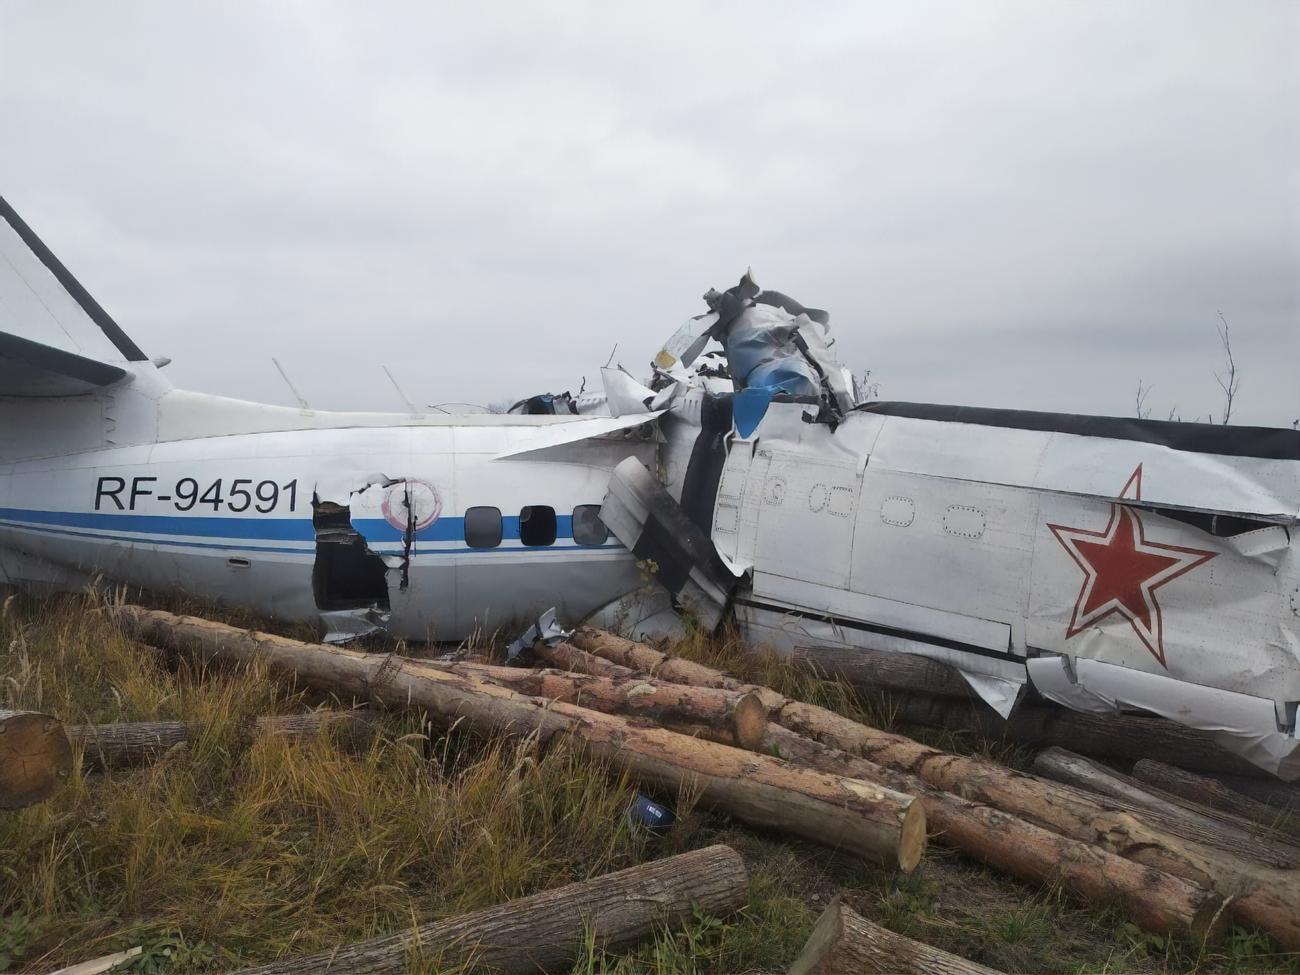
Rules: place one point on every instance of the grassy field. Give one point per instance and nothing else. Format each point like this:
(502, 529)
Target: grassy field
(228, 853)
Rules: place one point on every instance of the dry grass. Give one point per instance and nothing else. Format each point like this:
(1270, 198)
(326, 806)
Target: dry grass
(229, 853)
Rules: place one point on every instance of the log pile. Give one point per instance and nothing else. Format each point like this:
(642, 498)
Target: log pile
(786, 765)
(1255, 895)
(873, 821)
(919, 691)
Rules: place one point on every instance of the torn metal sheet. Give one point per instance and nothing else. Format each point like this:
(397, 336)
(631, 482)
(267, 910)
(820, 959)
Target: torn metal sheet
(579, 429)
(685, 345)
(646, 614)
(653, 526)
(625, 395)
(1247, 726)
(546, 404)
(544, 629)
(344, 625)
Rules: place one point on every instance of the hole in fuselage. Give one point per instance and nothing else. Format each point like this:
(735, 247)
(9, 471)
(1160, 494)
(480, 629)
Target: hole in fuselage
(347, 575)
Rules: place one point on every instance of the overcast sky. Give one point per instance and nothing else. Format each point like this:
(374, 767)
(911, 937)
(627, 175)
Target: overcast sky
(1011, 204)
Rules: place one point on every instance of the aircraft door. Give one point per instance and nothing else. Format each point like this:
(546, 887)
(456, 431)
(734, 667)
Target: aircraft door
(739, 502)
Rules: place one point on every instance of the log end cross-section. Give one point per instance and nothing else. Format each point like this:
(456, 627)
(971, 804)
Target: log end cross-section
(35, 758)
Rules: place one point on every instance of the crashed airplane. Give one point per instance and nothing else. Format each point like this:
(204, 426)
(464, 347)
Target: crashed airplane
(1108, 563)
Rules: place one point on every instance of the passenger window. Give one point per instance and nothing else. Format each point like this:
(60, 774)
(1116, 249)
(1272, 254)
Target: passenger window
(588, 529)
(537, 525)
(482, 527)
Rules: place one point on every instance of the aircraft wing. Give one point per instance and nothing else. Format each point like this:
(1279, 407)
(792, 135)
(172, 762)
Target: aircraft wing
(55, 339)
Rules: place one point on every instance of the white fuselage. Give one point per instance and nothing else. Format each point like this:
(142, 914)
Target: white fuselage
(256, 518)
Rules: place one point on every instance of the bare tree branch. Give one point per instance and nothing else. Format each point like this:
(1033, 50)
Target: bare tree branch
(1140, 408)
(1231, 384)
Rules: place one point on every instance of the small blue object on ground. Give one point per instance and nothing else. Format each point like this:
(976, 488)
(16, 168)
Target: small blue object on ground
(650, 814)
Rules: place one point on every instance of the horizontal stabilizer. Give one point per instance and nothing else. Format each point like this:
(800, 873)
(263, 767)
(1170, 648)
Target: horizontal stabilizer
(28, 368)
(55, 339)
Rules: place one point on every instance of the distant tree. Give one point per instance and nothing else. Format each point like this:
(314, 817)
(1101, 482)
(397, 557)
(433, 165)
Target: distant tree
(1140, 408)
(1229, 380)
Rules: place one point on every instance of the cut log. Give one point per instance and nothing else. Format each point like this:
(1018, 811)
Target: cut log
(1116, 736)
(134, 743)
(843, 941)
(1262, 897)
(663, 702)
(647, 660)
(873, 671)
(1211, 793)
(565, 656)
(35, 758)
(1272, 792)
(546, 932)
(1200, 824)
(878, 824)
(1156, 901)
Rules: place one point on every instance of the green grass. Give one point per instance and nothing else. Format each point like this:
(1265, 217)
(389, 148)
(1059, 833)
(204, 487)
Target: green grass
(228, 853)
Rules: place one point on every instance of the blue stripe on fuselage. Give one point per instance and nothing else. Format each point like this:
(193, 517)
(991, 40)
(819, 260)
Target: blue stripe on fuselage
(232, 530)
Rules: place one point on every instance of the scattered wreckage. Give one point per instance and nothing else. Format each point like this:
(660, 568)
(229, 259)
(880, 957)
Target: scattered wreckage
(1103, 564)
(1172, 866)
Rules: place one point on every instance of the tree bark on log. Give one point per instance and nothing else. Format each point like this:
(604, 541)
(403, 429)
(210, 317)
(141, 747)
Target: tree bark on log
(565, 656)
(843, 941)
(546, 931)
(35, 758)
(873, 671)
(1211, 793)
(647, 660)
(134, 743)
(1272, 792)
(1207, 826)
(879, 824)
(1115, 736)
(1154, 900)
(663, 702)
(1262, 897)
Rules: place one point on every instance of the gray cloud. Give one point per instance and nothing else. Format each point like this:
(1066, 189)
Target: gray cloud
(1016, 203)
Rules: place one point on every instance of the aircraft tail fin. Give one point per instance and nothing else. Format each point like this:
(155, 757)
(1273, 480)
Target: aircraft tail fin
(55, 339)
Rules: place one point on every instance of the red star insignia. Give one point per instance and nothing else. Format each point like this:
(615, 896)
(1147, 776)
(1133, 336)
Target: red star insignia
(1122, 570)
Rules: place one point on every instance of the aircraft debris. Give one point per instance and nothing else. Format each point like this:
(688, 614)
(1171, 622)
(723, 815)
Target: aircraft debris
(1113, 566)
(543, 630)
(105, 963)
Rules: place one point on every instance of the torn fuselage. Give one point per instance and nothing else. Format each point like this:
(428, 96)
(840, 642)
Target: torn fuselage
(1112, 563)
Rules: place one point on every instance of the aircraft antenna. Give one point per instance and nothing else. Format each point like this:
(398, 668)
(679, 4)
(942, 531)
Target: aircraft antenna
(285, 376)
(405, 399)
